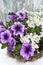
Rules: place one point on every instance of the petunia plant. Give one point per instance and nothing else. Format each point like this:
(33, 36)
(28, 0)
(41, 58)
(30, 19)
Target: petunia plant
(21, 35)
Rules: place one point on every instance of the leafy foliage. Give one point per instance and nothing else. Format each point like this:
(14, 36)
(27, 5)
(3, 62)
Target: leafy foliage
(8, 24)
(33, 30)
(17, 49)
(4, 46)
(41, 44)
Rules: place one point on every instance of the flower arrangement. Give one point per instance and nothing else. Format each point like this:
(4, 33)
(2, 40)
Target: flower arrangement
(23, 34)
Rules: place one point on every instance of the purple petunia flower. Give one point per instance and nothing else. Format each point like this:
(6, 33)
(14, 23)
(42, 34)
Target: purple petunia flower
(22, 15)
(11, 31)
(12, 16)
(17, 38)
(25, 31)
(11, 45)
(26, 51)
(1, 23)
(1, 30)
(18, 28)
(5, 36)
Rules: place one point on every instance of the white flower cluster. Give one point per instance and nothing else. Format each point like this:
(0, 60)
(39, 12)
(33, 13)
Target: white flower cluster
(35, 19)
(30, 38)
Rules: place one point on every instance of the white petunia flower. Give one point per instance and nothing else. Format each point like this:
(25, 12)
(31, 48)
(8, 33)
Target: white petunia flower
(35, 38)
(25, 39)
(30, 24)
(34, 45)
(36, 20)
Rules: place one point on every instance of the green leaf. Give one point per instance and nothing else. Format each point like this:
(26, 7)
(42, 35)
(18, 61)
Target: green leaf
(37, 29)
(4, 46)
(42, 38)
(34, 30)
(8, 24)
(30, 30)
(17, 50)
(41, 45)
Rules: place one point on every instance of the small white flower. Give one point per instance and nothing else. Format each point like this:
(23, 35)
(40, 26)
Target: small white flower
(25, 39)
(41, 34)
(34, 46)
(30, 24)
(35, 38)
(36, 20)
